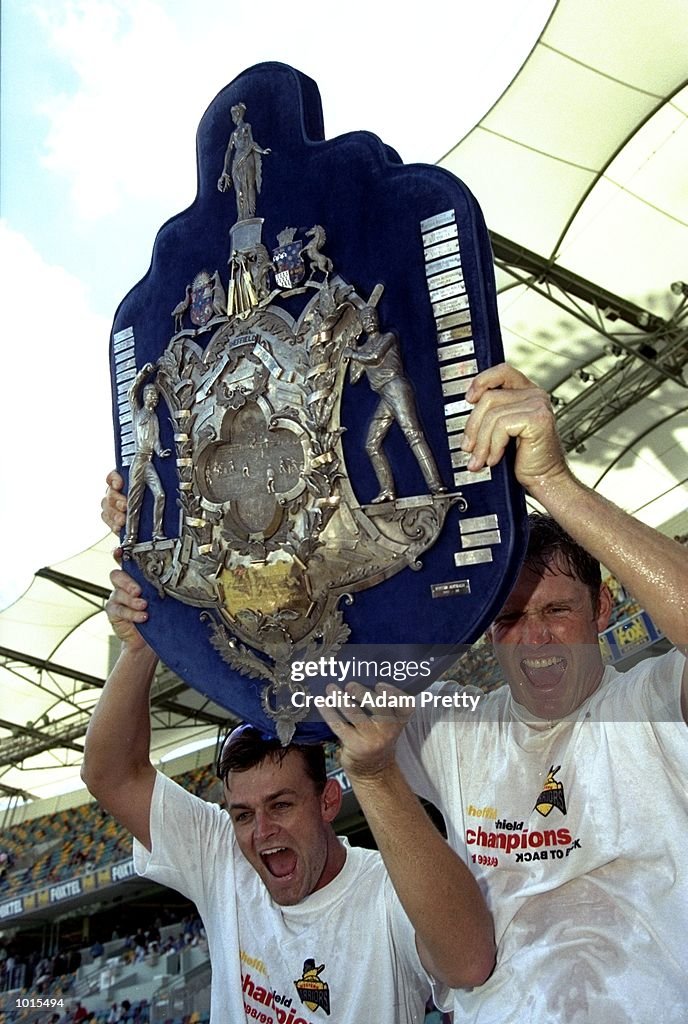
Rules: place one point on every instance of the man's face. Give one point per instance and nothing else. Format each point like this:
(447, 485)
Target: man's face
(545, 639)
(282, 826)
(150, 398)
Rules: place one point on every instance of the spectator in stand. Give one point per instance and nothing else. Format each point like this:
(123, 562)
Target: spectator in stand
(79, 1013)
(14, 972)
(60, 964)
(6, 863)
(97, 949)
(43, 973)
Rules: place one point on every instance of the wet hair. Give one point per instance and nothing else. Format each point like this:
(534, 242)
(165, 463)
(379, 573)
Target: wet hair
(246, 746)
(551, 546)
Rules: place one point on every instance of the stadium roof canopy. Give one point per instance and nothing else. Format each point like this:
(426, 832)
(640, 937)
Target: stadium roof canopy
(581, 169)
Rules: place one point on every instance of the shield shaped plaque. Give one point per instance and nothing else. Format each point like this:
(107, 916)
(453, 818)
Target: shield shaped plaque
(289, 386)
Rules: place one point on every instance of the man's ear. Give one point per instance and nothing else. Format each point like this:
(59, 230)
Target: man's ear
(605, 604)
(330, 800)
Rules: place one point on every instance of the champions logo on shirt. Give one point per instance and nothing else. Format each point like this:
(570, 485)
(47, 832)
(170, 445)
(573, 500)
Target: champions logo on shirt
(313, 991)
(552, 794)
(515, 838)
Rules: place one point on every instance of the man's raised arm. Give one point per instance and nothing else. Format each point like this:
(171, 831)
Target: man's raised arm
(117, 768)
(651, 566)
(441, 898)
(454, 931)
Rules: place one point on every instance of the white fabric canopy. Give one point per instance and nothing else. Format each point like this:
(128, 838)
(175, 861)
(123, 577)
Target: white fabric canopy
(583, 161)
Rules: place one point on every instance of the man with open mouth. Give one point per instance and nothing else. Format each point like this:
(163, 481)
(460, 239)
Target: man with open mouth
(565, 790)
(300, 926)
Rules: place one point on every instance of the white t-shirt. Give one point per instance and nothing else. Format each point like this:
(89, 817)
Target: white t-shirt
(578, 833)
(348, 949)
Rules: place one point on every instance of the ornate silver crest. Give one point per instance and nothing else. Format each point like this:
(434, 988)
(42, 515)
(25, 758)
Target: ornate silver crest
(272, 540)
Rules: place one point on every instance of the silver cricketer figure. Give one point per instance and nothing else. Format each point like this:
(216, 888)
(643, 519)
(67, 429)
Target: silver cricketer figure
(142, 473)
(380, 359)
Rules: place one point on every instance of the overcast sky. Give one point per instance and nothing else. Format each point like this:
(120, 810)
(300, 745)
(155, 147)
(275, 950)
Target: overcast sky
(100, 104)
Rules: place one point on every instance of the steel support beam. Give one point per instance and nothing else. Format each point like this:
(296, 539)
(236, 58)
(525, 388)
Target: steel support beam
(649, 349)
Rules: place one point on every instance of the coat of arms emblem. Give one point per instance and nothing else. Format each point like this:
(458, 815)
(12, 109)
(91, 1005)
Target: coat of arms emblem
(289, 266)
